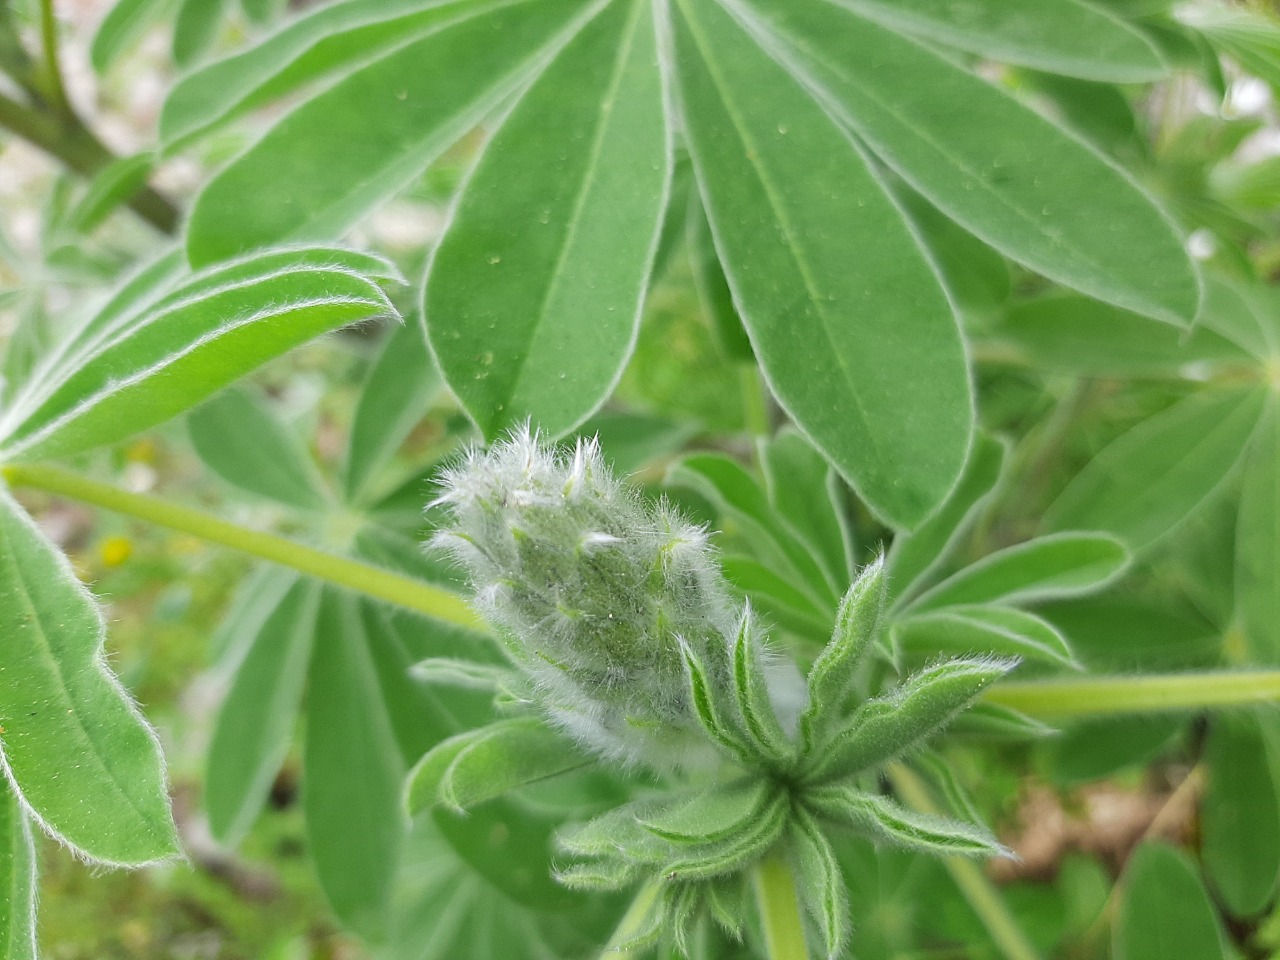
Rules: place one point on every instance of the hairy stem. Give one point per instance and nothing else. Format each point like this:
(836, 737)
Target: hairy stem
(1088, 696)
(631, 925)
(355, 575)
(1101, 696)
(968, 876)
(779, 906)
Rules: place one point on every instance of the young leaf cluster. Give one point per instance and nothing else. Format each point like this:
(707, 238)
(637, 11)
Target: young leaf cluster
(622, 627)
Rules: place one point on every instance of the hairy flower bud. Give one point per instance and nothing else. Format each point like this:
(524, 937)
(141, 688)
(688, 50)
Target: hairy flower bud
(595, 591)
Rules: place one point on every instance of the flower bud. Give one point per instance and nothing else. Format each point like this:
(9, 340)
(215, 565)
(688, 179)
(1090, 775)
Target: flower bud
(595, 591)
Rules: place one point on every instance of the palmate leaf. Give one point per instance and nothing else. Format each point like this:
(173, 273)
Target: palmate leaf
(82, 760)
(530, 315)
(744, 504)
(516, 331)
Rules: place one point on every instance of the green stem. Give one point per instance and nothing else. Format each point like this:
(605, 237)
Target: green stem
(968, 876)
(353, 574)
(56, 89)
(1101, 696)
(62, 134)
(632, 924)
(779, 906)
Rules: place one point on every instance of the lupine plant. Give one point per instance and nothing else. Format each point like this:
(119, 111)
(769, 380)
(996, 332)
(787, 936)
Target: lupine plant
(730, 478)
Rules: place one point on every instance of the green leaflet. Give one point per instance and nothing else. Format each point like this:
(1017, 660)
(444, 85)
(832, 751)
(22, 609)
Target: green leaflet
(242, 442)
(1240, 816)
(1258, 542)
(735, 492)
(861, 351)
(715, 711)
(510, 845)
(325, 164)
(820, 884)
(196, 28)
(727, 856)
(261, 11)
(991, 721)
(480, 765)
(165, 284)
(353, 771)
(1057, 36)
(808, 495)
(533, 296)
(180, 352)
(1232, 313)
(618, 831)
(121, 28)
(713, 287)
(976, 276)
(1058, 565)
(109, 189)
(780, 601)
(710, 815)
(444, 908)
(631, 440)
(1074, 334)
(325, 42)
(85, 763)
(1152, 478)
(886, 820)
(999, 630)
(912, 556)
(397, 391)
(1022, 184)
(17, 880)
(832, 677)
(883, 728)
(256, 722)
(1165, 911)
(752, 692)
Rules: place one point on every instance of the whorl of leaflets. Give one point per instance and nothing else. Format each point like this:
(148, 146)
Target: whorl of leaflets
(617, 614)
(596, 592)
